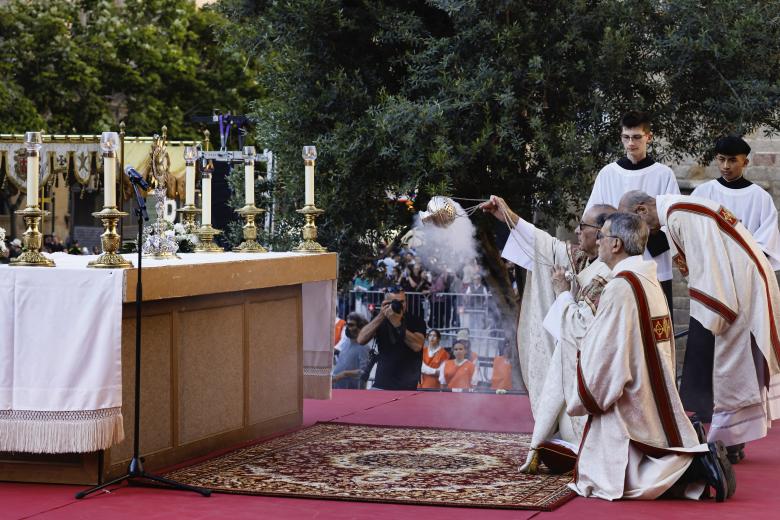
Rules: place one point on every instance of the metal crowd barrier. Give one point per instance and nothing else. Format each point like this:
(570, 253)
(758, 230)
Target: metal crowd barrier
(449, 313)
(439, 310)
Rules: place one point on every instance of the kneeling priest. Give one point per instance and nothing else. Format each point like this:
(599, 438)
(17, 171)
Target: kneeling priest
(638, 442)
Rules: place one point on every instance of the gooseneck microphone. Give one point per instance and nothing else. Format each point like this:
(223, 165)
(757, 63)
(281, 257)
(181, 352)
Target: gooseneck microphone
(135, 177)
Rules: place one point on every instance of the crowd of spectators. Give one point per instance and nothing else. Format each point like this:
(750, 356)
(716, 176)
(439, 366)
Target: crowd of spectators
(51, 244)
(436, 298)
(444, 297)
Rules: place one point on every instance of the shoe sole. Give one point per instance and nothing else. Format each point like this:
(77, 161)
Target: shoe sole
(728, 472)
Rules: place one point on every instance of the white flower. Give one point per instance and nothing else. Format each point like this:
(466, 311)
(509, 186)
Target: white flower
(169, 233)
(179, 228)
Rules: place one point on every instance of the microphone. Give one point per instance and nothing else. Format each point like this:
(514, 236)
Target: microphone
(135, 177)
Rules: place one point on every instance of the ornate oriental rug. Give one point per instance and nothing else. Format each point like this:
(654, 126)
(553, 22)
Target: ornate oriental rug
(386, 464)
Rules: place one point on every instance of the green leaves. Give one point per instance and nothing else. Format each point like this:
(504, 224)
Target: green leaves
(82, 66)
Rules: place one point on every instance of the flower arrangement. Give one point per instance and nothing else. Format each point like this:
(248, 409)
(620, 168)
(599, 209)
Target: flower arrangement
(186, 241)
(3, 249)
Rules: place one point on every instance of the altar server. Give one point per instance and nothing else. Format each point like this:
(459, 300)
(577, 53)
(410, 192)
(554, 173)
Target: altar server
(638, 171)
(750, 203)
(539, 252)
(733, 343)
(638, 442)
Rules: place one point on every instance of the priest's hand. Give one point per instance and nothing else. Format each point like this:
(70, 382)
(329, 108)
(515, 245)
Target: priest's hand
(498, 207)
(559, 281)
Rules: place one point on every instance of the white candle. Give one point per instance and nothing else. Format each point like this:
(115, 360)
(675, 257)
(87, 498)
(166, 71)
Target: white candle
(109, 145)
(309, 185)
(249, 183)
(189, 185)
(109, 181)
(205, 193)
(309, 155)
(32, 179)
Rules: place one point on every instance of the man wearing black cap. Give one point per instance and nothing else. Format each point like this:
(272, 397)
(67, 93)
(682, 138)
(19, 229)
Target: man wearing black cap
(751, 204)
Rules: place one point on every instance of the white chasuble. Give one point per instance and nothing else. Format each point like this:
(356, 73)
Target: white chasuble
(734, 294)
(536, 251)
(754, 207)
(638, 440)
(567, 320)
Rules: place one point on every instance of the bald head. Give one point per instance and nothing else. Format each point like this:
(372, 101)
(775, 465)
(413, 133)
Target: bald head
(642, 204)
(631, 199)
(591, 222)
(599, 213)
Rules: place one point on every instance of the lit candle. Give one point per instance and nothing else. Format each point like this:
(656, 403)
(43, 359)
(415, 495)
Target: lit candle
(109, 143)
(249, 174)
(32, 142)
(190, 153)
(205, 194)
(309, 156)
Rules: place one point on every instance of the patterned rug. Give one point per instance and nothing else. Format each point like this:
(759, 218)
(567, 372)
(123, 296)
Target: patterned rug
(385, 464)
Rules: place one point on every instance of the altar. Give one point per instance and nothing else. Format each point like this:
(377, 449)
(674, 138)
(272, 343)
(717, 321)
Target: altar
(226, 341)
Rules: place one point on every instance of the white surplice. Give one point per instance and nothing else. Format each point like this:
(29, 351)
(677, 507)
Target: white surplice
(567, 321)
(754, 207)
(537, 251)
(625, 451)
(613, 181)
(734, 294)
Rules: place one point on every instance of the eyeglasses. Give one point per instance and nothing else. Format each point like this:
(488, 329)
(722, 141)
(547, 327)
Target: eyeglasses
(584, 225)
(628, 138)
(600, 235)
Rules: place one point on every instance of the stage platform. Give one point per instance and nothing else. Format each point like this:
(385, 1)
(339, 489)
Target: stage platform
(756, 496)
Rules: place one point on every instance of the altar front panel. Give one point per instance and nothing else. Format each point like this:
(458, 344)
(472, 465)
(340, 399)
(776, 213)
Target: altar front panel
(222, 361)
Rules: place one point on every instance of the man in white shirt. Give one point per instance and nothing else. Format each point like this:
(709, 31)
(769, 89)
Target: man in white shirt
(751, 204)
(638, 171)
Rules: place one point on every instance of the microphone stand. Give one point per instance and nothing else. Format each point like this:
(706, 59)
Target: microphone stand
(135, 470)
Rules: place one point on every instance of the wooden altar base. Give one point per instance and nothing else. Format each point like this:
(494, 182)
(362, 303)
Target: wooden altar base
(221, 364)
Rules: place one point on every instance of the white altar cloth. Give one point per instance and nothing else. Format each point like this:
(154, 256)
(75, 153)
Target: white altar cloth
(60, 359)
(60, 348)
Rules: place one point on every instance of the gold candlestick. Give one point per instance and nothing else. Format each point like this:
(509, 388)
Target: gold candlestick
(110, 240)
(32, 240)
(206, 236)
(309, 243)
(250, 245)
(189, 213)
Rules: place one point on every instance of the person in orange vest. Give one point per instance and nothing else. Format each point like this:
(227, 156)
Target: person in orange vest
(457, 374)
(433, 357)
(502, 371)
(338, 331)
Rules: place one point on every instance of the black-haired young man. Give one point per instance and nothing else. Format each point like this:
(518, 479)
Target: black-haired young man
(750, 203)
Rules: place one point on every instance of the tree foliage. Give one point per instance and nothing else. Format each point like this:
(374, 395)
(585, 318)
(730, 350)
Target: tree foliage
(517, 98)
(82, 66)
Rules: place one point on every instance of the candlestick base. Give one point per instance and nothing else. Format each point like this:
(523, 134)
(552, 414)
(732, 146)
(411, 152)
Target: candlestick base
(110, 240)
(32, 240)
(250, 245)
(189, 211)
(206, 236)
(309, 243)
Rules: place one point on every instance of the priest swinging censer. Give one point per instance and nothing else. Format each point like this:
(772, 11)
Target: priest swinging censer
(442, 212)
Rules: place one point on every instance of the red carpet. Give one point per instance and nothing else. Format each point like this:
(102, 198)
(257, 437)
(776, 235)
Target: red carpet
(756, 497)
